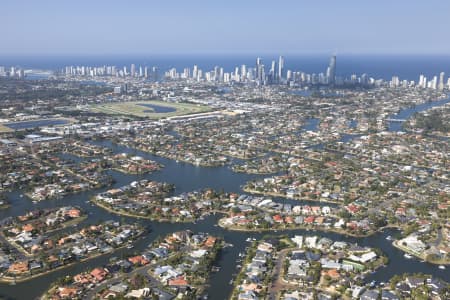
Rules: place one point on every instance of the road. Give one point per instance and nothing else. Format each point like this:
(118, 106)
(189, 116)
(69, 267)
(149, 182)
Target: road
(278, 283)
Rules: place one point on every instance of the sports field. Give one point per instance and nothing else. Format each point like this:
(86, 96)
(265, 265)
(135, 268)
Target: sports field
(3, 128)
(149, 109)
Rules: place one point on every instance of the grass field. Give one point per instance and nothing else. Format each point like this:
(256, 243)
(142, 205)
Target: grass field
(3, 129)
(136, 109)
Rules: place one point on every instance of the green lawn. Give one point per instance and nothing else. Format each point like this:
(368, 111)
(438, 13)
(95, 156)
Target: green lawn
(134, 109)
(3, 129)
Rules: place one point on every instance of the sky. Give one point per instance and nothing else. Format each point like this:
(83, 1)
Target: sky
(63, 27)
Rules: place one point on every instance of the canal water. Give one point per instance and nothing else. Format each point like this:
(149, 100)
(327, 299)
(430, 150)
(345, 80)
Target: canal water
(409, 112)
(187, 178)
(157, 108)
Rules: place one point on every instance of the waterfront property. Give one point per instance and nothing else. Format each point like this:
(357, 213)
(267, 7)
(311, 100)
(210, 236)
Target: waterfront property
(311, 264)
(179, 263)
(40, 253)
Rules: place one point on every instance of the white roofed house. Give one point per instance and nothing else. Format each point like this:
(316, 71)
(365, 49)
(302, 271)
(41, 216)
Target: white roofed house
(298, 240)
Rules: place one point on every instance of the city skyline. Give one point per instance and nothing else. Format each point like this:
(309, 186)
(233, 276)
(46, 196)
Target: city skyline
(53, 27)
(259, 74)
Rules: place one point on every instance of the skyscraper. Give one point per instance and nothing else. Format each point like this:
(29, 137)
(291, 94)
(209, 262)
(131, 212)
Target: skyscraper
(216, 73)
(441, 81)
(195, 72)
(273, 74)
(259, 70)
(280, 68)
(243, 72)
(133, 70)
(221, 74)
(155, 73)
(331, 71)
(434, 83)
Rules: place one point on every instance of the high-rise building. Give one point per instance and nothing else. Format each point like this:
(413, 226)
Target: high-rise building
(226, 77)
(187, 73)
(331, 71)
(195, 72)
(364, 79)
(273, 74)
(133, 70)
(259, 70)
(434, 83)
(243, 72)
(441, 81)
(221, 74)
(258, 61)
(421, 80)
(280, 68)
(289, 75)
(261, 74)
(395, 82)
(236, 74)
(155, 74)
(215, 75)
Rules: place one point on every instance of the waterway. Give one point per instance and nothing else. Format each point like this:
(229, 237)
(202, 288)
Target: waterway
(409, 112)
(157, 108)
(312, 124)
(304, 93)
(187, 178)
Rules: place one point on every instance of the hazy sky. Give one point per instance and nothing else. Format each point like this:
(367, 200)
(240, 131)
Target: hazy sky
(224, 26)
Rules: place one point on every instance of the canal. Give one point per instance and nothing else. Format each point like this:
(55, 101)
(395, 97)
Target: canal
(187, 178)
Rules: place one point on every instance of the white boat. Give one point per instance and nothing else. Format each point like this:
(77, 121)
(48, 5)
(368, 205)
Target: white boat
(215, 269)
(441, 267)
(389, 238)
(407, 256)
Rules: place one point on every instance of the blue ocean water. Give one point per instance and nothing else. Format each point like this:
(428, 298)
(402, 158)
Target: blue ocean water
(378, 66)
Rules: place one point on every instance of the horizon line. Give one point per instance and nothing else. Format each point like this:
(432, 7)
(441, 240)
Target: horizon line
(228, 54)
